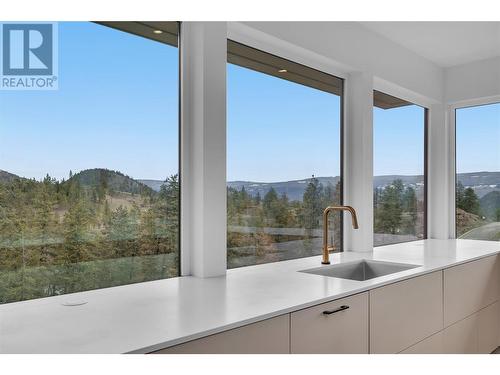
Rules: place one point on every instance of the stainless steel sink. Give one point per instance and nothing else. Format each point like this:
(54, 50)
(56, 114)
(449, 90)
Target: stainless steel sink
(361, 270)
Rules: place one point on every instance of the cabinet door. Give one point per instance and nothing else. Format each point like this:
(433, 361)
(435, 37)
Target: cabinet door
(269, 336)
(488, 322)
(461, 337)
(406, 312)
(343, 330)
(430, 345)
(470, 287)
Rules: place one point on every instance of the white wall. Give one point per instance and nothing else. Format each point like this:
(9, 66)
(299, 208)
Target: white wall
(476, 81)
(353, 48)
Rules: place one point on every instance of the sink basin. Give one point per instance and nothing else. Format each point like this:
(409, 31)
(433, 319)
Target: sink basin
(361, 270)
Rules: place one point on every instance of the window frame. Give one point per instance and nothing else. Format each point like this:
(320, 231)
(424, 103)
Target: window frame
(425, 167)
(342, 124)
(452, 133)
(116, 25)
(169, 36)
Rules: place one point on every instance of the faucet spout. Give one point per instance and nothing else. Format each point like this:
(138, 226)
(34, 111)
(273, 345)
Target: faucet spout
(326, 213)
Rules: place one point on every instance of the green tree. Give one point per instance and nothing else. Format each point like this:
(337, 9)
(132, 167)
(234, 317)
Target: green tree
(45, 225)
(459, 194)
(167, 213)
(121, 233)
(258, 198)
(410, 210)
(77, 243)
(312, 205)
(470, 202)
(269, 206)
(388, 215)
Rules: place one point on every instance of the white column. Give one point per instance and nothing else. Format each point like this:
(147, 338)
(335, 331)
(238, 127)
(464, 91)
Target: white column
(358, 161)
(441, 167)
(203, 148)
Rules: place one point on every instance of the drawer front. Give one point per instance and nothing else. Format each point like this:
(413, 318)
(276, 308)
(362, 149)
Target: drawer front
(470, 287)
(461, 337)
(343, 331)
(488, 325)
(404, 313)
(430, 345)
(270, 336)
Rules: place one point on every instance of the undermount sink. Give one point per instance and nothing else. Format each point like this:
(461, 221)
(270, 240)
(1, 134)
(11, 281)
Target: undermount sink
(361, 270)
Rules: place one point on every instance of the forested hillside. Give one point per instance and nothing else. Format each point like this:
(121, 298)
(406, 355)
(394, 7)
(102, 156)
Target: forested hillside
(59, 237)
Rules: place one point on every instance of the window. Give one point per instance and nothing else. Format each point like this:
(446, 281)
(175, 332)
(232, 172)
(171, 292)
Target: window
(89, 172)
(399, 165)
(478, 172)
(283, 157)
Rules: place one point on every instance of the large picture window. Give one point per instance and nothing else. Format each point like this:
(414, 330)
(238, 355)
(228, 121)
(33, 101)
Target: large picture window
(89, 172)
(478, 172)
(399, 165)
(283, 157)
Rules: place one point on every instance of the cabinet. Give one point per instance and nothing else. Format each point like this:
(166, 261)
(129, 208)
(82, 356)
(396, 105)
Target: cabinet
(478, 333)
(488, 326)
(470, 287)
(340, 326)
(430, 345)
(406, 312)
(456, 310)
(269, 336)
(461, 337)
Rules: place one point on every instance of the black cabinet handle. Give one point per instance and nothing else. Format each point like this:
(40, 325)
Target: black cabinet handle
(341, 308)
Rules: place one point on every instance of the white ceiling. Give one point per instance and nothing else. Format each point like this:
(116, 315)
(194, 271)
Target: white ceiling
(444, 43)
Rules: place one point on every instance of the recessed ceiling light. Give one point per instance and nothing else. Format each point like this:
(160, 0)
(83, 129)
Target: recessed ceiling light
(157, 31)
(282, 71)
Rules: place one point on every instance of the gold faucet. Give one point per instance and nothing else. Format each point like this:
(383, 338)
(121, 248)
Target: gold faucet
(326, 212)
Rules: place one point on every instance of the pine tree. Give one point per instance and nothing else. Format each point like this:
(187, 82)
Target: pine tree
(258, 198)
(312, 205)
(459, 195)
(470, 202)
(269, 198)
(388, 216)
(410, 208)
(121, 231)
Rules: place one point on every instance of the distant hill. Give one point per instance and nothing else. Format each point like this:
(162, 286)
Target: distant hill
(479, 178)
(490, 203)
(7, 177)
(112, 180)
(153, 184)
(483, 183)
(293, 189)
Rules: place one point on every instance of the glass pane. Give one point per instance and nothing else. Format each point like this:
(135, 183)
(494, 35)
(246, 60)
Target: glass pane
(88, 180)
(283, 167)
(478, 172)
(398, 166)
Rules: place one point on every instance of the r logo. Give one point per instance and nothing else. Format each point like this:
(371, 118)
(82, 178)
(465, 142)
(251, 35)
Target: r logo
(27, 49)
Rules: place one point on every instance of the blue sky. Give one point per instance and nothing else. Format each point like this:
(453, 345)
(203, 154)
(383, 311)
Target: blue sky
(279, 130)
(116, 108)
(478, 138)
(398, 141)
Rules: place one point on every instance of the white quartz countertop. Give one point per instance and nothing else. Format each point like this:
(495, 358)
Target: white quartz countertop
(141, 318)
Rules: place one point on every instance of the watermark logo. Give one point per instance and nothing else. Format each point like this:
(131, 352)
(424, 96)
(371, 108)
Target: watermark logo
(28, 56)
